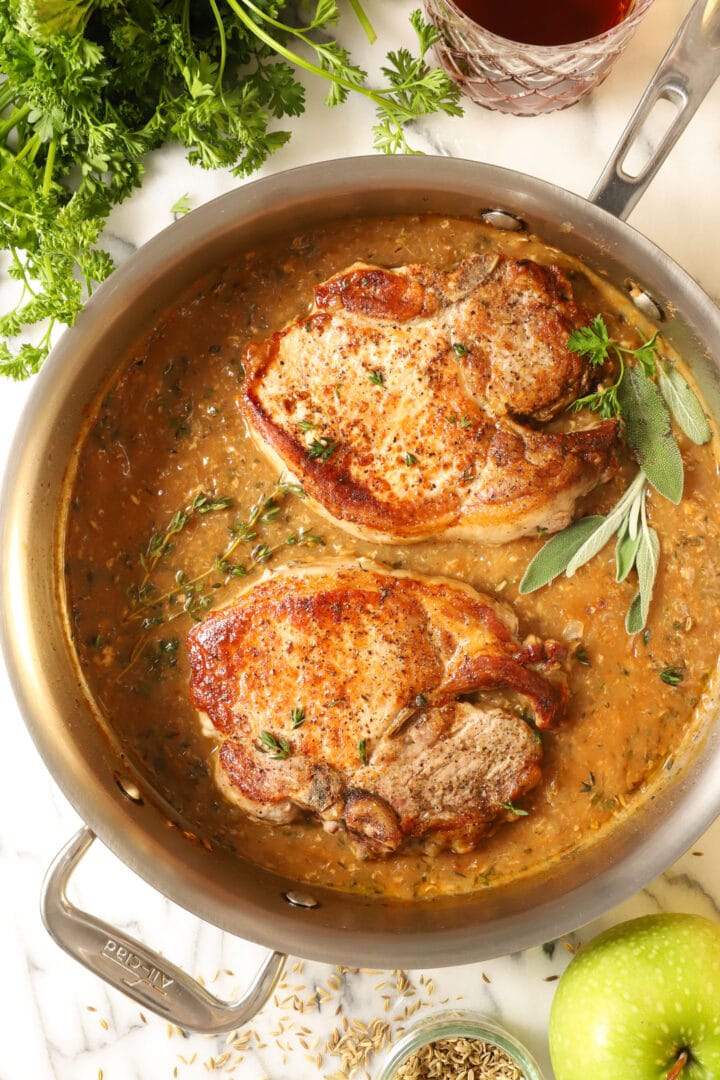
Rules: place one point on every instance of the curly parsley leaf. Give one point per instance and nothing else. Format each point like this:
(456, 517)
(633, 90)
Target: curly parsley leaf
(591, 342)
(90, 87)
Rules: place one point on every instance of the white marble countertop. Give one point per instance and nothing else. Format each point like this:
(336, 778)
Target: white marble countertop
(58, 1020)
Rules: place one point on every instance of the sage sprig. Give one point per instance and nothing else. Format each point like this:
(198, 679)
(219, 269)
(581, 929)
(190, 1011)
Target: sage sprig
(644, 394)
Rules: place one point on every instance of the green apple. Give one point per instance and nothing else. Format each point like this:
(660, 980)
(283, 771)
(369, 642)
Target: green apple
(641, 1002)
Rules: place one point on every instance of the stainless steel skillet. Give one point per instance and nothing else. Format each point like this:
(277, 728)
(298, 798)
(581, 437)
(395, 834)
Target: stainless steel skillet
(81, 755)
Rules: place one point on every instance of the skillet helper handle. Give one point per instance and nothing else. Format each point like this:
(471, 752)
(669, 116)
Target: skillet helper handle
(137, 971)
(685, 75)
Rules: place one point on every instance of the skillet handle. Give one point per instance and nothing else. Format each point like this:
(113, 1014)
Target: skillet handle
(137, 971)
(685, 75)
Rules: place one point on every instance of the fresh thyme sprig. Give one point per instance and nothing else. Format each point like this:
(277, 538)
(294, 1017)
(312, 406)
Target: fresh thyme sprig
(278, 748)
(321, 449)
(644, 395)
(194, 595)
(146, 599)
(297, 717)
(160, 543)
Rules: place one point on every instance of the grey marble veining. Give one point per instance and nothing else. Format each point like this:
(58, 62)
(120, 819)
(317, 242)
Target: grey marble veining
(59, 1022)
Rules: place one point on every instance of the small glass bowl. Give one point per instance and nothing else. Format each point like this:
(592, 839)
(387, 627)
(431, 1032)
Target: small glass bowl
(525, 80)
(458, 1025)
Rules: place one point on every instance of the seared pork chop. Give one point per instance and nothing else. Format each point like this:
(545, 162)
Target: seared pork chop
(334, 690)
(407, 402)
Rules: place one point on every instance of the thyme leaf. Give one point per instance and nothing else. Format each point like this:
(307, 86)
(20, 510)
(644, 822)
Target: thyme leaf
(321, 449)
(589, 784)
(297, 717)
(278, 748)
(672, 675)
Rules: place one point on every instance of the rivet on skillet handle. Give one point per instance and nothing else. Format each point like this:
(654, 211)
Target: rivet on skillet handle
(685, 75)
(134, 969)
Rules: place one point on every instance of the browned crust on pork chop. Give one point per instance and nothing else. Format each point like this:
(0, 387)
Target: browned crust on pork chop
(407, 403)
(376, 661)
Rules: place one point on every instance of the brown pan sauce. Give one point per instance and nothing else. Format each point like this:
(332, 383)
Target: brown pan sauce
(167, 427)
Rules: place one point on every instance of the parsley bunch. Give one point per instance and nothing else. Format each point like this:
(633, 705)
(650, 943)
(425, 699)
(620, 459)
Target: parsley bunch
(89, 87)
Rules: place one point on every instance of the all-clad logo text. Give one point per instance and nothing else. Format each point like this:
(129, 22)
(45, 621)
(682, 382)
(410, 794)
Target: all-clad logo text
(139, 969)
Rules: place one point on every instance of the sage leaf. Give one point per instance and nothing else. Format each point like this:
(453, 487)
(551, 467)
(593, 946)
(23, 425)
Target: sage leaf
(633, 620)
(595, 542)
(634, 518)
(625, 552)
(648, 558)
(616, 520)
(649, 433)
(553, 557)
(683, 404)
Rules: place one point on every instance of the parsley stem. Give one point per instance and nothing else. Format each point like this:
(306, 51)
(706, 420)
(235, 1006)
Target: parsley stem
(223, 45)
(381, 98)
(7, 94)
(19, 266)
(364, 21)
(12, 120)
(49, 165)
(30, 149)
(186, 26)
(18, 213)
(289, 55)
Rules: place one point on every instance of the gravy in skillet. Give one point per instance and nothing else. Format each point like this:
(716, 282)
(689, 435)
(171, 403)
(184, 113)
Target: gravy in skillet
(164, 451)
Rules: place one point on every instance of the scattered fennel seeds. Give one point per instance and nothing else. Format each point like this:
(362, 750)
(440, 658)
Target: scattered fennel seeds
(459, 1059)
